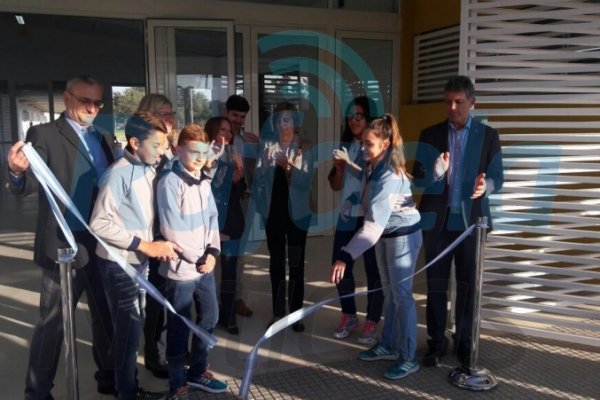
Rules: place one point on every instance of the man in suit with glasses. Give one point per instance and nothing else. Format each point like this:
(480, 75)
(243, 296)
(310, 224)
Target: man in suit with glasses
(77, 153)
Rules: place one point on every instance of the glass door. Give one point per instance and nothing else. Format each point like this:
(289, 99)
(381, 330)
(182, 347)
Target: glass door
(193, 64)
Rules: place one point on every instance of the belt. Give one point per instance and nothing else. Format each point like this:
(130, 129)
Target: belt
(402, 232)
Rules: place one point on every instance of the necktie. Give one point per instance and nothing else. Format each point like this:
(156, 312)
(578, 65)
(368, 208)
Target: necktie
(89, 144)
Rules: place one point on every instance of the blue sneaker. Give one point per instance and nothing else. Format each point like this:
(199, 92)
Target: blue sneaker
(402, 369)
(378, 352)
(207, 382)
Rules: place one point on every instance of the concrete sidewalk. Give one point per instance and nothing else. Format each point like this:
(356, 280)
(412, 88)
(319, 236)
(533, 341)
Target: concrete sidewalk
(309, 365)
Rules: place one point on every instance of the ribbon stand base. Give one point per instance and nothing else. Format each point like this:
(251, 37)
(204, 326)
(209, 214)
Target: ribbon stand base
(474, 379)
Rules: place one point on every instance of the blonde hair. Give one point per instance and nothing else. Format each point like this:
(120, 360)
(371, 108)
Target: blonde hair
(152, 102)
(386, 128)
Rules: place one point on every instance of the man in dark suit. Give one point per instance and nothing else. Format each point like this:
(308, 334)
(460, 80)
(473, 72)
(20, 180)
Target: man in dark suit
(77, 153)
(458, 164)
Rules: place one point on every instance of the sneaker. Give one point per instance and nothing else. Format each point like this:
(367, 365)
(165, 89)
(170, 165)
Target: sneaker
(368, 333)
(402, 369)
(145, 395)
(207, 382)
(378, 352)
(347, 323)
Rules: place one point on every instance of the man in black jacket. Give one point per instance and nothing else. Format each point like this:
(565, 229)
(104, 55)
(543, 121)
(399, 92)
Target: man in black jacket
(458, 164)
(77, 153)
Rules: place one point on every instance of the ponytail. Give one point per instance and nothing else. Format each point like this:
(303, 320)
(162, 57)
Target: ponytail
(386, 127)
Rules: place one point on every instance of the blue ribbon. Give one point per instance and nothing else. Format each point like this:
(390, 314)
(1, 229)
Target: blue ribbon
(306, 311)
(53, 188)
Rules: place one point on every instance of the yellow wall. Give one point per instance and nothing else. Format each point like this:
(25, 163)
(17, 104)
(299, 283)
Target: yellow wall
(419, 16)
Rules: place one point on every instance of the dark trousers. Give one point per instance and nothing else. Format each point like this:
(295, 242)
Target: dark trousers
(437, 288)
(127, 302)
(48, 334)
(155, 324)
(282, 233)
(343, 234)
(229, 261)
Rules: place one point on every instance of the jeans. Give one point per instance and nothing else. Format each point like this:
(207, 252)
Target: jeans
(345, 231)
(127, 302)
(47, 338)
(181, 294)
(396, 258)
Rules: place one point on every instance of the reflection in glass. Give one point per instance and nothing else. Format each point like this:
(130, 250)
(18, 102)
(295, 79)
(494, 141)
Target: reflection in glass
(33, 107)
(125, 101)
(378, 56)
(201, 73)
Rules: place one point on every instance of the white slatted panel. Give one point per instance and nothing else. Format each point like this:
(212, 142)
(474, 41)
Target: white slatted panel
(536, 67)
(435, 60)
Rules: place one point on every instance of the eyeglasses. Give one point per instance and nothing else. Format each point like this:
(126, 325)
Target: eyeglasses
(356, 117)
(166, 114)
(88, 102)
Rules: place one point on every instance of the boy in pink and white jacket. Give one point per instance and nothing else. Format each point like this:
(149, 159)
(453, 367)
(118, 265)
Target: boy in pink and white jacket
(188, 215)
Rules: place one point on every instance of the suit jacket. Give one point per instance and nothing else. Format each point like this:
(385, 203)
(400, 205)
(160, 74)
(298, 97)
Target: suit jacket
(66, 156)
(482, 154)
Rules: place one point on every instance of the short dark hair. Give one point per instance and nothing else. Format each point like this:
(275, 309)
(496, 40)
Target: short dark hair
(141, 125)
(236, 102)
(460, 83)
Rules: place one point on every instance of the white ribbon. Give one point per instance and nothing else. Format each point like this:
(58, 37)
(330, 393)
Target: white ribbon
(306, 311)
(53, 188)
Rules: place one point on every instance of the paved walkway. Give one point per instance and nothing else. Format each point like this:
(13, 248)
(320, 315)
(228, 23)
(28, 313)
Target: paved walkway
(310, 365)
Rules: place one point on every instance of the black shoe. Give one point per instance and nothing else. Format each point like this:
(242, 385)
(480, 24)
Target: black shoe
(273, 320)
(146, 395)
(242, 309)
(298, 327)
(231, 328)
(107, 388)
(158, 369)
(434, 355)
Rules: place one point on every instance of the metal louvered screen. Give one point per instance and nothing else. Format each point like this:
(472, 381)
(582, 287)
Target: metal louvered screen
(435, 60)
(536, 68)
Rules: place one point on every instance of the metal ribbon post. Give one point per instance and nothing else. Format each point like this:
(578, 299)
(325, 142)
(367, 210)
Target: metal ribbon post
(65, 261)
(472, 377)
